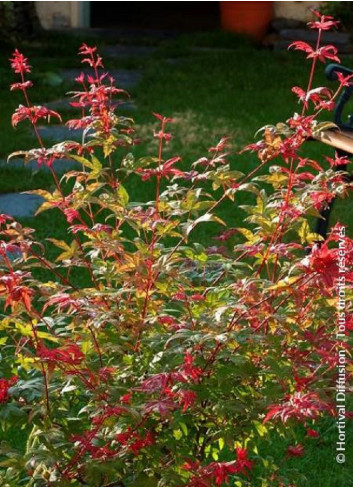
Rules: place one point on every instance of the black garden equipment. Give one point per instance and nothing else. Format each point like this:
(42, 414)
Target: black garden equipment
(340, 138)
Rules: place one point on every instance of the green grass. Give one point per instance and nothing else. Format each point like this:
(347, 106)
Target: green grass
(318, 466)
(210, 94)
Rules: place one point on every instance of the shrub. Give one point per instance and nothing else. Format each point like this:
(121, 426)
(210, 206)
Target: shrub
(171, 360)
(18, 20)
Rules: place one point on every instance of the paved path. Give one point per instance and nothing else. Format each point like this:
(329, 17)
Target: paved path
(58, 133)
(120, 51)
(60, 166)
(20, 205)
(124, 78)
(63, 104)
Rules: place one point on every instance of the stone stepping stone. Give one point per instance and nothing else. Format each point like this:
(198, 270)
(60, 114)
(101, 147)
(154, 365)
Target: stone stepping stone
(124, 78)
(136, 35)
(59, 104)
(127, 107)
(176, 61)
(60, 166)
(14, 255)
(211, 50)
(279, 44)
(311, 36)
(59, 133)
(64, 104)
(20, 205)
(281, 40)
(120, 51)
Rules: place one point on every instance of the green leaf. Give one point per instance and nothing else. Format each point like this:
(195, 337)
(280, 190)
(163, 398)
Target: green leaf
(323, 126)
(190, 225)
(95, 165)
(177, 434)
(123, 195)
(306, 236)
(260, 428)
(82, 160)
(69, 250)
(184, 428)
(249, 235)
(97, 168)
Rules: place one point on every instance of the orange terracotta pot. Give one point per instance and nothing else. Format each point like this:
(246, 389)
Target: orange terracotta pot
(252, 18)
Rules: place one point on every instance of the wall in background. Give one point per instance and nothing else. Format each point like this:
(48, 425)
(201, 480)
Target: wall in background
(57, 15)
(295, 10)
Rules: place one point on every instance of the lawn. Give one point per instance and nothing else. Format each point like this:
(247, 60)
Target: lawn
(230, 90)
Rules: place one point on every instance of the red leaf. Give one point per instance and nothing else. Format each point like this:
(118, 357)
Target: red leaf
(326, 52)
(344, 80)
(301, 46)
(295, 451)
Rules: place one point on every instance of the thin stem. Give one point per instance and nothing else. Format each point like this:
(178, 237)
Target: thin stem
(312, 71)
(96, 344)
(44, 373)
(160, 151)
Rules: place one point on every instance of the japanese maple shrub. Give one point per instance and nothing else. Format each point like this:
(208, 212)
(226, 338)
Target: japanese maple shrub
(173, 359)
